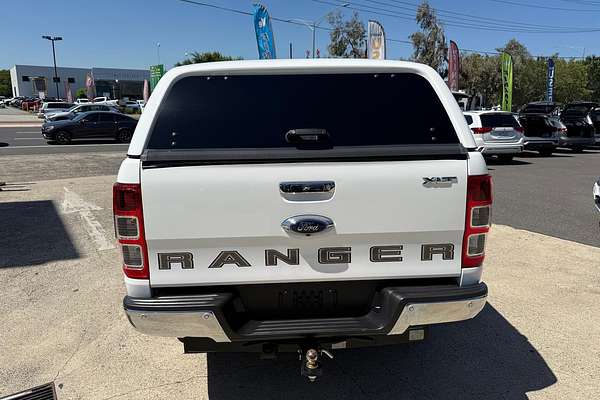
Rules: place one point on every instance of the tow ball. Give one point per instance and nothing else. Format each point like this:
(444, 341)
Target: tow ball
(311, 365)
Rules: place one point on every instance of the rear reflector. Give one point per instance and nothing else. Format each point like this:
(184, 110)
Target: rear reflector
(519, 129)
(129, 228)
(478, 219)
(480, 131)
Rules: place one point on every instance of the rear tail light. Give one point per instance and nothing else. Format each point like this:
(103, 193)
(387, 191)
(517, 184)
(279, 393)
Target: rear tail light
(129, 229)
(481, 131)
(519, 129)
(478, 219)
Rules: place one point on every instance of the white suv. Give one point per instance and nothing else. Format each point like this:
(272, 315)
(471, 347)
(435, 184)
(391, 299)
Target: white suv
(496, 133)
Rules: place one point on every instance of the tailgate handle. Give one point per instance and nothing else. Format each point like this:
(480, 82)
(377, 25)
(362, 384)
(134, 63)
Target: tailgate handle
(307, 187)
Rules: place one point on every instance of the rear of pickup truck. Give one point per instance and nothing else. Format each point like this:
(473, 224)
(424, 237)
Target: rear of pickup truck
(294, 204)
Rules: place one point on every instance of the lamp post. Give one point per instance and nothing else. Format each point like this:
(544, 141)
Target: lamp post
(313, 25)
(158, 52)
(54, 39)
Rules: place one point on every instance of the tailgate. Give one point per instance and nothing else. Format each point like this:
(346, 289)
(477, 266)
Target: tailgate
(227, 218)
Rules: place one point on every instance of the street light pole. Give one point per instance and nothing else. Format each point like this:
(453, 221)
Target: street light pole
(158, 51)
(313, 25)
(55, 79)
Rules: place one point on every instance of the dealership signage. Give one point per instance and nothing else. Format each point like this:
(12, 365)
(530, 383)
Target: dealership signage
(156, 72)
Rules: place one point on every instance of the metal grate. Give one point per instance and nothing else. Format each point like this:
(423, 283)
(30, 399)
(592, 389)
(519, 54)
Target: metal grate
(44, 392)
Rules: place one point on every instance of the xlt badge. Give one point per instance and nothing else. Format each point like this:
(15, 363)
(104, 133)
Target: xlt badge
(439, 181)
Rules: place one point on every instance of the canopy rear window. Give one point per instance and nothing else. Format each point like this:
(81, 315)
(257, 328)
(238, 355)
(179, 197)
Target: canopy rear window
(256, 111)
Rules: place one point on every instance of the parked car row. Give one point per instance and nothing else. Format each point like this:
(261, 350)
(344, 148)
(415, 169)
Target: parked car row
(90, 125)
(539, 126)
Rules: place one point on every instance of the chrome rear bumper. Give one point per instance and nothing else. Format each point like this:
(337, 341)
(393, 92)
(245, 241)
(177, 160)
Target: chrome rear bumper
(210, 316)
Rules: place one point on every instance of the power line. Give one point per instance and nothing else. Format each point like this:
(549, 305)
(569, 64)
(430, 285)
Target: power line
(292, 22)
(459, 24)
(544, 7)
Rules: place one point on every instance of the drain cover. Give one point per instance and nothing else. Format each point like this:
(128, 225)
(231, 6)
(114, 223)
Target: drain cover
(44, 392)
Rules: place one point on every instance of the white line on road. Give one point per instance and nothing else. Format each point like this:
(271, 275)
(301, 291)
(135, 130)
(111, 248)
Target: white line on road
(65, 145)
(73, 203)
(28, 138)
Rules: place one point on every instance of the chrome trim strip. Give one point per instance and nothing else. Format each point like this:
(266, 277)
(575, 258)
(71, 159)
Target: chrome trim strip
(435, 313)
(178, 324)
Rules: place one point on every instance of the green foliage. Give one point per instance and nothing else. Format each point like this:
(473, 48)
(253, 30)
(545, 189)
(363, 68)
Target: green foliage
(430, 43)
(347, 39)
(571, 81)
(81, 93)
(574, 80)
(593, 72)
(5, 88)
(209, 56)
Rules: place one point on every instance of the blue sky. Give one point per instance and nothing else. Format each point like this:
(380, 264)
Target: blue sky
(124, 33)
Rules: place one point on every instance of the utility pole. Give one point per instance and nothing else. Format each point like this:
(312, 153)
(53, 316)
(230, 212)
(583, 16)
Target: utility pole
(55, 79)
(291, 51)
(313, 25)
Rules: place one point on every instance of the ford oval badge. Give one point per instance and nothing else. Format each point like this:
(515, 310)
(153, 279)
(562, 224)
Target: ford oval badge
(307, 224)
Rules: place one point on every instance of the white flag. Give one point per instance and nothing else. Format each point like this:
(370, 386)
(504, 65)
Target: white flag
(376, 41)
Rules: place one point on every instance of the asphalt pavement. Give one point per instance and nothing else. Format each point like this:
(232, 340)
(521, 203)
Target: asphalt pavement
(22, 140)
(549, 195)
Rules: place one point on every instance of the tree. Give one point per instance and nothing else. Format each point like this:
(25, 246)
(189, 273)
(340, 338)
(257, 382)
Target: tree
(209, 56)
(593, 72)
(5, 85)
(81, 93)
(430, 43)
(571, 81)
(347, 39)
(480, 74)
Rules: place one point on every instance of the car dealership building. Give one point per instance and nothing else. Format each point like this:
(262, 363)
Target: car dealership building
(116, 83)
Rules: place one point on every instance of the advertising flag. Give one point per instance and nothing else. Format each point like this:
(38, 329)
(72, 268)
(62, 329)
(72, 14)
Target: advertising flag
(90, 86)
(550, 81)
(69, 92)
(376, 42)
(146, 92)
(264, 32)
(156, 72)
(507, 81)
(453, 66)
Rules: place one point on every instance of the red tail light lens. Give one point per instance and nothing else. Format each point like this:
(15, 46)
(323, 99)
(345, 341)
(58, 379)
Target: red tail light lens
(481, 131)
(129, 229)
(478, 220)
(519, 129)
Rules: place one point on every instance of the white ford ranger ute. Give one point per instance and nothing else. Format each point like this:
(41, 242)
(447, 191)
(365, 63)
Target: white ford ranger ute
(301, 205)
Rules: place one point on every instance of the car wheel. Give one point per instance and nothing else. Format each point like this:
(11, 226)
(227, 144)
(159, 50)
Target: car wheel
(546, 152)
(577, 149)
(505, 157)
(124, 136)
(62, 137)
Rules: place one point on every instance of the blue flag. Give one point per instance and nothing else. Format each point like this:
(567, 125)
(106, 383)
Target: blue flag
(550, 81)
(264, 33)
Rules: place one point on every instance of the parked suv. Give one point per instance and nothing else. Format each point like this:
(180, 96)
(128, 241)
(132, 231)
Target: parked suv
(577, 117)
(77, 109)
(541, 107)
(53, 108)
(541, 132)
(496, 133)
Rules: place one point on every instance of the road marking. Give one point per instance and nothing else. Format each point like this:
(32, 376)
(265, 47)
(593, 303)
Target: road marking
(73, 146)
(27, 131)
(73, 203)
(28, 138)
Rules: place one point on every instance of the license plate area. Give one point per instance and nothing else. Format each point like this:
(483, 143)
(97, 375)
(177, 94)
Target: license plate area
(306, 300)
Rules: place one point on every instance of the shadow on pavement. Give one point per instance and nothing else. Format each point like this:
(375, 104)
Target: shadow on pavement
(33, 233)
(530, 154)
(485, 358)
(495, 161)
(76, 142)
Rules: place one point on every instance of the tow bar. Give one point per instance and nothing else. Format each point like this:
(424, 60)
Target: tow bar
(311, 366)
